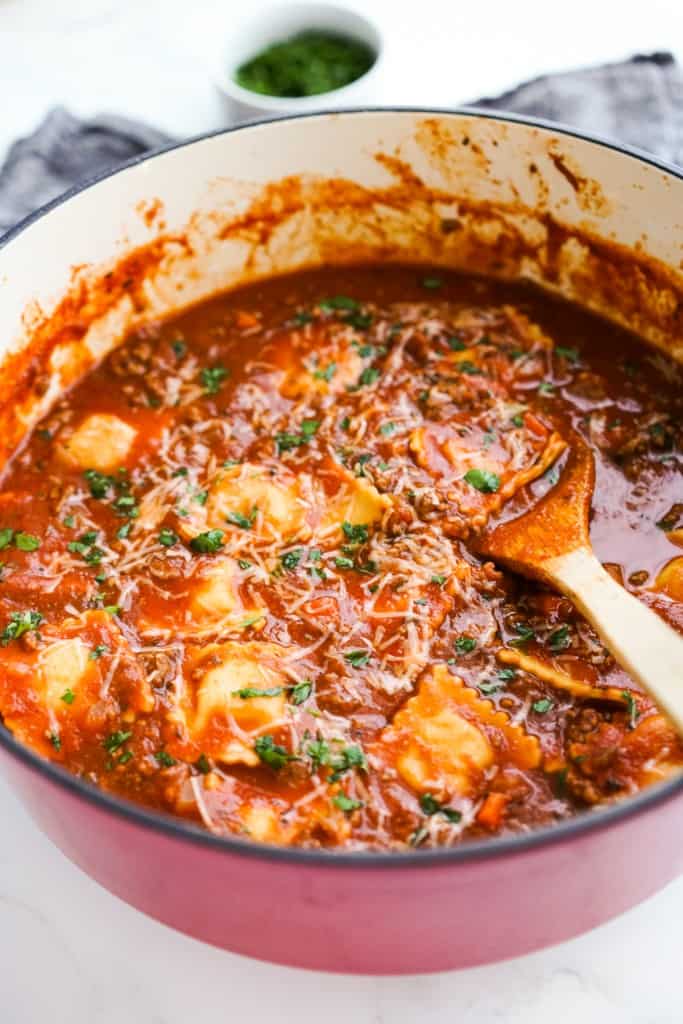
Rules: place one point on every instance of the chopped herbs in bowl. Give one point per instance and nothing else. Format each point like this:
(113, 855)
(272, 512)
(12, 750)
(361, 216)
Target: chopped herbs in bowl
(307, 64)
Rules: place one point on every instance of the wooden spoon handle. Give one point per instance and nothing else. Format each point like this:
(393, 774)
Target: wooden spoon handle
(642, 643)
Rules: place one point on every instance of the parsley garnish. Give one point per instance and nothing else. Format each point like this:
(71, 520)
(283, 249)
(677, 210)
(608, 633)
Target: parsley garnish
(167, 538)
(99, 483)
(483, 479)
(212, 377)
(286, 442)
(68, 696)
(357, 658)
(165, 759)
(20, 623)
(570, 354)
(559, 640)
(247, 692)
(438, 579)
(98, 651)
(541, 707)
(357, 533)
(207, 543)
(327, 373)
(338, 302)
(369, 375)
(271, 753)
(387, 429)
(301, 692)
(26, 541)
(456, 344)
(291, 559)
(55, 740)
(430, 805)
(115, 740)
(238, 519)
(202, 764)
(342, 562)
(432, 283)
(345, 803)
(465, 644)
(634, 713)
(524, 634)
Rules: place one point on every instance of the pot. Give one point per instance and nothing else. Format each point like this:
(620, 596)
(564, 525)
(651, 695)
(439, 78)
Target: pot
(594, 222)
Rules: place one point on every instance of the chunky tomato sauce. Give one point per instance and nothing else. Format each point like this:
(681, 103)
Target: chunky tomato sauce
(239, 573)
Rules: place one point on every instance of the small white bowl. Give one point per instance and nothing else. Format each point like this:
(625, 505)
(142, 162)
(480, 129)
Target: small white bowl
(275, 24)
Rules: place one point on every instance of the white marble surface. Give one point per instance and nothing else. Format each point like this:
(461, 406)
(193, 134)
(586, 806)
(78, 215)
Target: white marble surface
(69, 952)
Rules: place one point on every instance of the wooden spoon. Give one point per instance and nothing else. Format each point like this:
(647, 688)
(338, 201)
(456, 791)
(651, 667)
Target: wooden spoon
(551, 542)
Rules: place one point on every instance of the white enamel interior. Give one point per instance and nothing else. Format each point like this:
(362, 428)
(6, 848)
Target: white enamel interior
(212, 181)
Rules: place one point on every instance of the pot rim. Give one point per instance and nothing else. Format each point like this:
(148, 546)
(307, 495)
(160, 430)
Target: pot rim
(179, 828)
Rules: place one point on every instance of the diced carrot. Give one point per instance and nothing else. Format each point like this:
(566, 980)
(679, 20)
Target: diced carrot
(490, 813)
(535, 425)
(243, 319)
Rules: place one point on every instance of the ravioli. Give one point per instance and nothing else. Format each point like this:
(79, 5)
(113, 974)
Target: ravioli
(102, 442)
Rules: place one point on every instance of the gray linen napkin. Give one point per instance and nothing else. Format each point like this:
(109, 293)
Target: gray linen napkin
(638, 101)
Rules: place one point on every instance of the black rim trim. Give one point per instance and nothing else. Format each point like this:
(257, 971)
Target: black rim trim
(178, 828)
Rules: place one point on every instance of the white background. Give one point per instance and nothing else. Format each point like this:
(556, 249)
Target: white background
(69, 952)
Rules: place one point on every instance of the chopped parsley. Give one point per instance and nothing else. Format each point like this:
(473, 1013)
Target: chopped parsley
(357, 658)
(327, 373)
(164, 759)
(342, 562)
(546, 388)
(99, 483)
(291, 559)
(179, 348)
(22, 541)
(247, 692)
(115, 740)
(633, 712)
(212, 377)
(202, 764)
(238, 519)
(570, 354)
(467, 366)
(348, 758)
(559, 640)
(345, 803)
(524, 634)
(465, 644)
(483, 479)
(98, 651)
(285, 441)
(488, 686)
(433, 283)
(319, 753)
(271, 753)
(387, 429)
(338, 302)
(26, 541)
(301, 692)
(68, 696)
(438, 579)
(429, 805)
(456, 344)
(345, 423)
(207, 543)
(517, 420)
(167, 538)
(244, 564)
(369, 376)
(55, 741)
(356, 533)
(20, 623)
(541, 707)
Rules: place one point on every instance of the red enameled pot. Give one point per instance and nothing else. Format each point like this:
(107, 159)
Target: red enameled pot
(596, 222)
